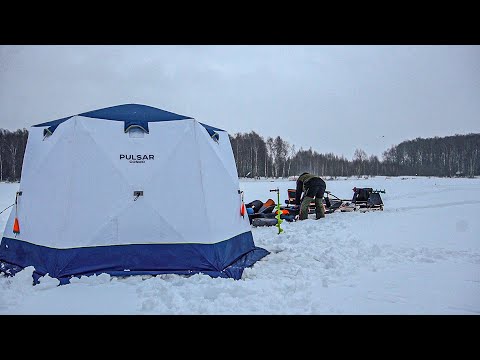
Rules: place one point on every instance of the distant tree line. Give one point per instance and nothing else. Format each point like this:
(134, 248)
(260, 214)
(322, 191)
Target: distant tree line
(446, 156)
(12, 150)
(274, 157)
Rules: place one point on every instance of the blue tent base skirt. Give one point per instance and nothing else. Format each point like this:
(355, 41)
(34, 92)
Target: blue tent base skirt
(225, 259)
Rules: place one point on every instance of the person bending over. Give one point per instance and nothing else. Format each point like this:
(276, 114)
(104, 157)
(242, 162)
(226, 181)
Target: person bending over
(312, 187)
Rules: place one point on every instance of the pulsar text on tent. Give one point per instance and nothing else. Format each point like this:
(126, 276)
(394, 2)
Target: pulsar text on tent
(137, 158)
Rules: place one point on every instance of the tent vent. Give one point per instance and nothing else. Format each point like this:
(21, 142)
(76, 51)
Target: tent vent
(46, 133)
(137, 194)
(136, 132)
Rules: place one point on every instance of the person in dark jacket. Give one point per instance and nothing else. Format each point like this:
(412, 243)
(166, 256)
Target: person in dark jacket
(313, 187)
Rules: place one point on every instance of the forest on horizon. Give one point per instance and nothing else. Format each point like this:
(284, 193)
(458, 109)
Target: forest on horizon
(256, 157)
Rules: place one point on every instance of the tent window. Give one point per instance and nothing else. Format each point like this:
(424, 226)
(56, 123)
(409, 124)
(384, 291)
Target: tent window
(136, 132)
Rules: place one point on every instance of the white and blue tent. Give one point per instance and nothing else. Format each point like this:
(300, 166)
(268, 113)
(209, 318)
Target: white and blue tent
(128, 190)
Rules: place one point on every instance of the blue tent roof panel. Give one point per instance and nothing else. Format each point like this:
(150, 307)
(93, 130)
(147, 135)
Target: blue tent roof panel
(133, 115)
(52, 125)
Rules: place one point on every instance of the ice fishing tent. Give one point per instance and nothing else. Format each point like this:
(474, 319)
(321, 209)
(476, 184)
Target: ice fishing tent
(128, 190)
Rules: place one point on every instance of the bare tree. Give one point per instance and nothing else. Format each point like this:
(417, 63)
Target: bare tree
(270, 155)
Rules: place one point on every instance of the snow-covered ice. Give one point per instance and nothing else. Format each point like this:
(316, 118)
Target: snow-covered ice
(421, 255)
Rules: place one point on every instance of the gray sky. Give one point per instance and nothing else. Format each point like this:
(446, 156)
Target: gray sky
(331, 98)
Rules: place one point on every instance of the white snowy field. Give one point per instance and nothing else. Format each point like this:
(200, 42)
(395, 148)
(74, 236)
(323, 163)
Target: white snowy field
(421, 255)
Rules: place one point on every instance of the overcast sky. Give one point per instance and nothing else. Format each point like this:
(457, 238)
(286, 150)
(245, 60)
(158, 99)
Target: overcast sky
(331, 98)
